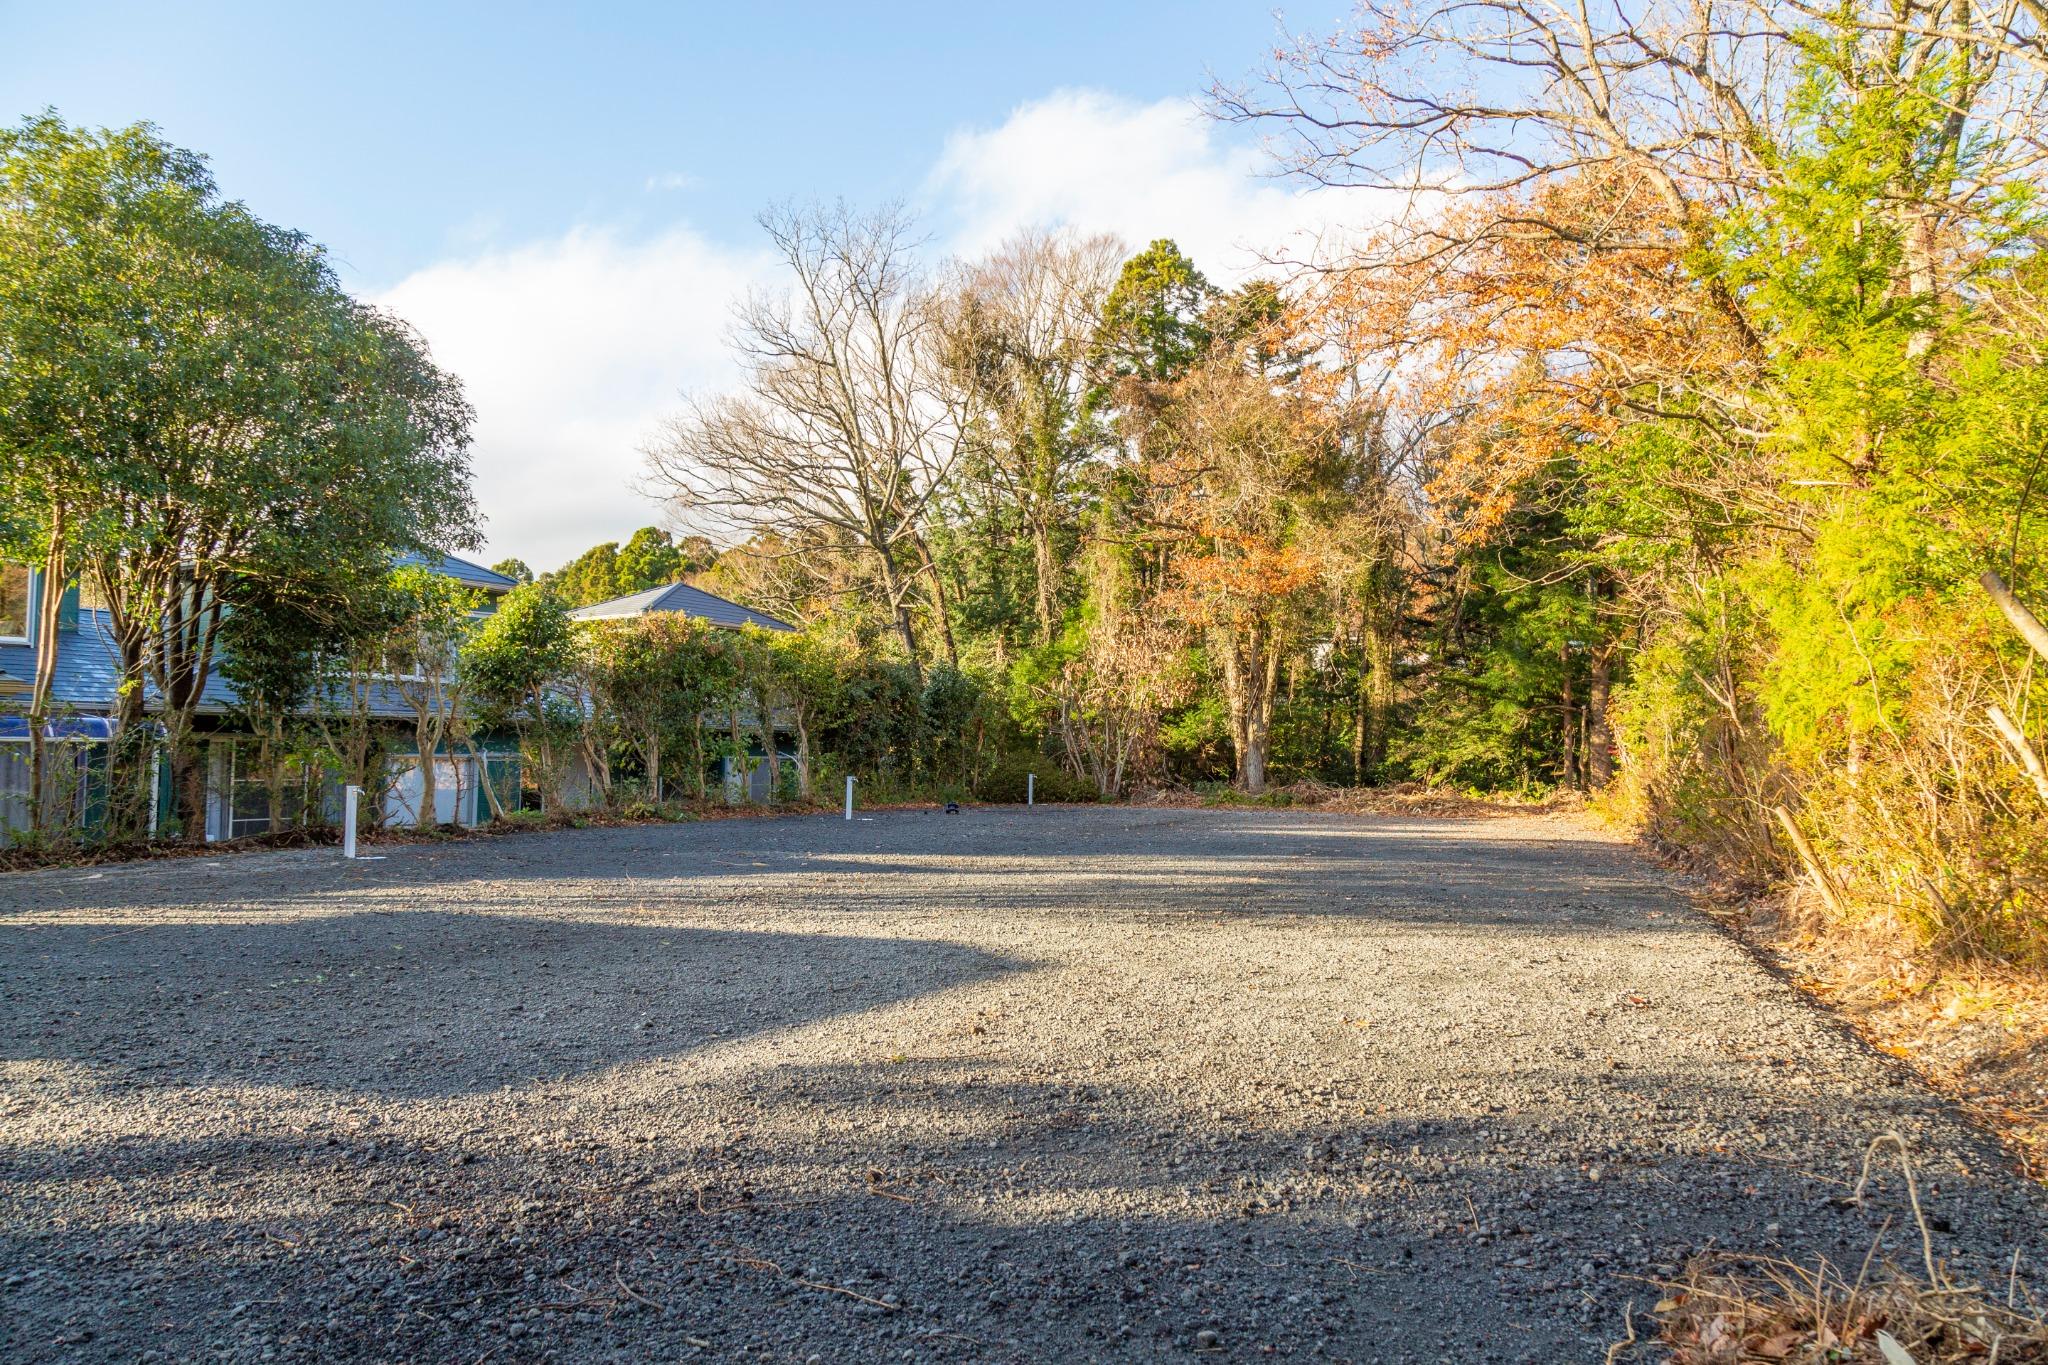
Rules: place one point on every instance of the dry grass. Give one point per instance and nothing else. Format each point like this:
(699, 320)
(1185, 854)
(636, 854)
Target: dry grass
(1727, 1311)
(1407, 798)
(1732, 1310)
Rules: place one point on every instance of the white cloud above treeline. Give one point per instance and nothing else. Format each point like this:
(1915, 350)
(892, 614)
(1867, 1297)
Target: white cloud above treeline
(574, 348)
(1092, 161)
(570, 351)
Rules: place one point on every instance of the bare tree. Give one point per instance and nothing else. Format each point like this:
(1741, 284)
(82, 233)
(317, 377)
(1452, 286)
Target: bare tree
(1019, 325)
(843, 428)
(1683, 107)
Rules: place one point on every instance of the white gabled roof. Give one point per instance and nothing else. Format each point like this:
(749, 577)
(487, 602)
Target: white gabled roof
(680, 597)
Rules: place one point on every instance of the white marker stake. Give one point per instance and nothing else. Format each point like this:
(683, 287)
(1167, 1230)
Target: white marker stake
(849, 798)
(348, 820)
(1031, 789)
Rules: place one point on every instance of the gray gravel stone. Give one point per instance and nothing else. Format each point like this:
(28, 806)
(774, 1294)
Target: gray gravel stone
(1060, 1084)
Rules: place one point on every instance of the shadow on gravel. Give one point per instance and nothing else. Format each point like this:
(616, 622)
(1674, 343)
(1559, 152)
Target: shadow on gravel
(1102, 1224)
(1386, 870)
(422, 1003)
(1438, 1187)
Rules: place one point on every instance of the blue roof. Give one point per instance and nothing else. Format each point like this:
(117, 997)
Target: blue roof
(462, 571)
(680, 597)
(88, 665)
(88, 672)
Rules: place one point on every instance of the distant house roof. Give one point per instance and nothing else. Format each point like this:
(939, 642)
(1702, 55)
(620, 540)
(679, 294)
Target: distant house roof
(88, 667)
(88, 674)
(461, 570)
(680, 597)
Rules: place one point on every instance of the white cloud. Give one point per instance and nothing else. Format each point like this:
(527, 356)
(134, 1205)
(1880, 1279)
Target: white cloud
(1101, 163)
(573, 349)
(670, 180)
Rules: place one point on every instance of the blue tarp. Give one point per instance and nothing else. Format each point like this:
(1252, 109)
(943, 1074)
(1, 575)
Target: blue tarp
(89, 728)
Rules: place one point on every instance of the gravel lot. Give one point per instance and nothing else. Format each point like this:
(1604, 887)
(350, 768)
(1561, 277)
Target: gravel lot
(1059, 1084)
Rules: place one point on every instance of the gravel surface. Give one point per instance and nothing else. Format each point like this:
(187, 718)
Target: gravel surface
(1060, 1084)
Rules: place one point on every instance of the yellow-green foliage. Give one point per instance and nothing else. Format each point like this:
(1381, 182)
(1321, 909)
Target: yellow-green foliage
(1822, 641)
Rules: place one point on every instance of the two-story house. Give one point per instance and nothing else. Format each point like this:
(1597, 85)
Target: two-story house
(82, 702)
(238, 800)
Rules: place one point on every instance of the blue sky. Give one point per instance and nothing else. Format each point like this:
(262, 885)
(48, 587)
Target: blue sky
(562, 198)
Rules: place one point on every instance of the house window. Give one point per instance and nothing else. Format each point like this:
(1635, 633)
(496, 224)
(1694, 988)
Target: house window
(13, 602)
(249, 791)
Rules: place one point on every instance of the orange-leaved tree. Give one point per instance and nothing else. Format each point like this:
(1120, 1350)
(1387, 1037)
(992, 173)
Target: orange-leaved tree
(1243, 468)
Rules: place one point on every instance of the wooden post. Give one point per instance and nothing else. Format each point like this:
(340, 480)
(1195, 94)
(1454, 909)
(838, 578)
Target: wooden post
(1821, 879)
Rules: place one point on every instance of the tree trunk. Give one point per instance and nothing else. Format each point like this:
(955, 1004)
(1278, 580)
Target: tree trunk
(1378, 684)
(131, 773)
(803, 756)
(549, 780)
(1251, 768)
(47, 610)
(1919, 242)
(273, 770)
(1823, 880)
(743, 791)
(1259, 723)
(46, 672)
(599, 763)
(899, 603)
(188, 777)
(483, 778)
(2022, 751)
(764, 722)
(1250, 677)
(1568, 761)
(1358, 724)
(457, 769)
(654, 765)
(425, 742)
(1599, 733)
(188, 782)
(2025, 622)
(183, 647)
(697, 738)
(1234, 698)
(1044, 569)
(939, 604)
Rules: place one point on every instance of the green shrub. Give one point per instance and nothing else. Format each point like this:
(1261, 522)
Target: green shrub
(1005, 781)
